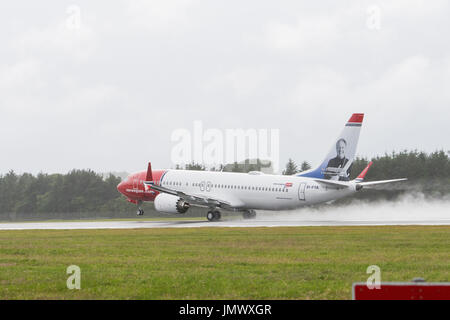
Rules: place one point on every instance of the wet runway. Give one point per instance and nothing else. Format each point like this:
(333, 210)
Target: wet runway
(71, 225)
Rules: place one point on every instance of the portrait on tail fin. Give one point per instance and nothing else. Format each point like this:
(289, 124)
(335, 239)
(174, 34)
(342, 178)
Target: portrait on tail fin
(337, 165)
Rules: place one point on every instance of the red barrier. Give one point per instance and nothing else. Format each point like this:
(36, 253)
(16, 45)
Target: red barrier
(402, 291)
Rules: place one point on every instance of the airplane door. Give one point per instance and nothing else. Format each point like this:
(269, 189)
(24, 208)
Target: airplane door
(135, 183)
(301, 191)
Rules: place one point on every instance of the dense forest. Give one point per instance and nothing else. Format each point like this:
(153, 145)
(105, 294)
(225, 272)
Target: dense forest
(85, 194)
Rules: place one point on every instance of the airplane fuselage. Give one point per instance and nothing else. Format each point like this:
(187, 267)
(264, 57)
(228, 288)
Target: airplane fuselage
(253, 190)
(175, 191)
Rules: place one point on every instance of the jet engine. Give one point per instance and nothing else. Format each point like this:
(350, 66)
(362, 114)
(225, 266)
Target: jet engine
(170, 204)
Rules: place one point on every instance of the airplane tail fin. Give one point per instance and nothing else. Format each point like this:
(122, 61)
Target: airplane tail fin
(338, 162)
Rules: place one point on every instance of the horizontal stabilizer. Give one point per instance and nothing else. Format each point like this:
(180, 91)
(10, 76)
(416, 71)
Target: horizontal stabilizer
(373, 183)
(334, 183)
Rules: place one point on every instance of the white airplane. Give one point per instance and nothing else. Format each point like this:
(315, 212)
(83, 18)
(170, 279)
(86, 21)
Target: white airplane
(175, 191)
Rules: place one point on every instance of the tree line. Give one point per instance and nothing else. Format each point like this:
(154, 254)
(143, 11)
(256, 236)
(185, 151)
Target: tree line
(85, 191)
(76, 191)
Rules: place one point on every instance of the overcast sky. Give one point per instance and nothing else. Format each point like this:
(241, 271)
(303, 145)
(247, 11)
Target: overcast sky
(105, 88)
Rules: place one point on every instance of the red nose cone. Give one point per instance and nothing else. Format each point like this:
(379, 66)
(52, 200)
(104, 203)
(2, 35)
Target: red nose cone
(121, 187)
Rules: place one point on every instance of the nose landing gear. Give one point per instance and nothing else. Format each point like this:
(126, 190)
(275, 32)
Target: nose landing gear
(140, 211)
(213, 215)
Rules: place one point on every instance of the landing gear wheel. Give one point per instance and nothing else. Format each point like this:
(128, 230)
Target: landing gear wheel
(250, 214)
(213, 215)
(140, 211)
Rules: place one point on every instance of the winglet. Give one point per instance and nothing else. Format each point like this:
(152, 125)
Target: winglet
(363, 173)
(149, 176)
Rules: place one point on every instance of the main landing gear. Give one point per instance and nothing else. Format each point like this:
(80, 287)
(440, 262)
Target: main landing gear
(249, 214)
(140, 211)
(213, 215)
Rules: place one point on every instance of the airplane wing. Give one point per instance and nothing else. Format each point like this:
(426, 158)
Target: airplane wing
(196, 200)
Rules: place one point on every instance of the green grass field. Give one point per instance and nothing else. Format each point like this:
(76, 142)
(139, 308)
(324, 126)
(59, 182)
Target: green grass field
(217, 263)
